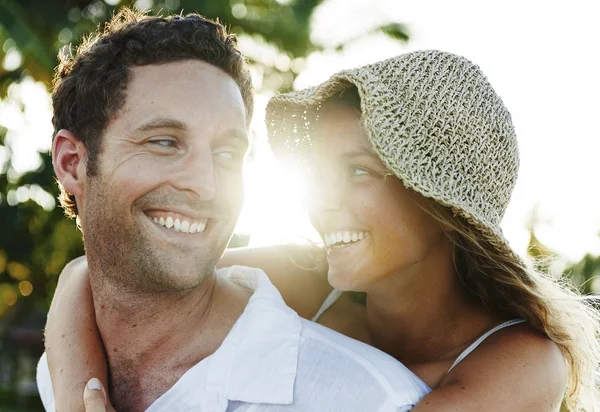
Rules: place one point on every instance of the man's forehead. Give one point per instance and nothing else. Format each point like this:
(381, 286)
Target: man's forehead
(191, 65)
(183, 89)
(168, 76)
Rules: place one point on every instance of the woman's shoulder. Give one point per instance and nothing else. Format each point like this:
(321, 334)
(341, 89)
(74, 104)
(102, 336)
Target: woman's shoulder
(519, 344)
(523, 361)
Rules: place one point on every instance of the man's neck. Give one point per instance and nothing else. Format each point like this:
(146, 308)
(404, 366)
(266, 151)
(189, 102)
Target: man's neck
(152, 339)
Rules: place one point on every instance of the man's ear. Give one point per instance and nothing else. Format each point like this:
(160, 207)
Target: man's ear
(69, 159)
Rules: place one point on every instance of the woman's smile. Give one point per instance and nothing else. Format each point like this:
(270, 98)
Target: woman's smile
(336, 242)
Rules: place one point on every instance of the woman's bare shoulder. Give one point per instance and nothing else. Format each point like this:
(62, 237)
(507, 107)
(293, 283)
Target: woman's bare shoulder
(516, 368)
(297, 271)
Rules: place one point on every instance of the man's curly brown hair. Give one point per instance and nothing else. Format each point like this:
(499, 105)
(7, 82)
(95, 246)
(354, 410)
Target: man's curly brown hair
(90, 86)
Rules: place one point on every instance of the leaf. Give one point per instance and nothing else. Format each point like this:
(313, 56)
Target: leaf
(396, 31)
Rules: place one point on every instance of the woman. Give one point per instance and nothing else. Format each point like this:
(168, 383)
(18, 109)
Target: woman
(412, 162)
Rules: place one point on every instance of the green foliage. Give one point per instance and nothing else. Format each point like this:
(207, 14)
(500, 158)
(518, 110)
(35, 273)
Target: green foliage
(37, 36)
(35, 243)
(581, 274)
(584, 272)
(55, 24)
(396, 31)
(542, 256)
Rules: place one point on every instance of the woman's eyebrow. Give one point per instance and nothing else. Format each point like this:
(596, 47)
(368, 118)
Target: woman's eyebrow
(361, 151)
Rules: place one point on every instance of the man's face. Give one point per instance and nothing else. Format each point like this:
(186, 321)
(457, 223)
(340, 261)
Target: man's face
(164, 204)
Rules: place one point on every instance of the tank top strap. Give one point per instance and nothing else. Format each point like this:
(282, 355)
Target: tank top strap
(327, 303)
(483, 337)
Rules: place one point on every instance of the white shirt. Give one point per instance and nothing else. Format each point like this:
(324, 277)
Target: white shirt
(273, 360)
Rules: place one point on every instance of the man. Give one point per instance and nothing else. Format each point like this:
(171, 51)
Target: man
(151, 119)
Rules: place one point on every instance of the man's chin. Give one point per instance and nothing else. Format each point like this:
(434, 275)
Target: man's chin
(179, 282)
(180, 270)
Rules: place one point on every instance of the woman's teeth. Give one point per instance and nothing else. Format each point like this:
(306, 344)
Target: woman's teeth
(181, 226)
(342, 238)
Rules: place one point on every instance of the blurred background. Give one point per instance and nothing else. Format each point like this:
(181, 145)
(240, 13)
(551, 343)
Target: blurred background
(539, 55)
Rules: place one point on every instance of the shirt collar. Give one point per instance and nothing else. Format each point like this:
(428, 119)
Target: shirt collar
(257, 362)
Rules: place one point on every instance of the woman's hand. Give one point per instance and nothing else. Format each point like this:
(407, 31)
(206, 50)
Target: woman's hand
(94, 397)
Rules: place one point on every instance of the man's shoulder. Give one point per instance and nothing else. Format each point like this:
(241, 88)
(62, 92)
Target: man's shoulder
(44, 383)
(324, 337)
(355, 360)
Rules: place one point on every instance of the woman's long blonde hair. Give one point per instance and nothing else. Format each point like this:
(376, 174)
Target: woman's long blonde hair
(550, 305)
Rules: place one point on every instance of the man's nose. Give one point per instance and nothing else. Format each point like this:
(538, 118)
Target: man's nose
(197, 174)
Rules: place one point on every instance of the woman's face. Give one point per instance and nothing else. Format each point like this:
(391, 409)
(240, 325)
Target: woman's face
(370, 223)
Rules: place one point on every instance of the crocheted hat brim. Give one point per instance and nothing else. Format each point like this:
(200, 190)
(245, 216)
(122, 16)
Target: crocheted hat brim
(288, 119)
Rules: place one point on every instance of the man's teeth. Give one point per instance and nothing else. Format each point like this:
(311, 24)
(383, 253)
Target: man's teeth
(183, 226)
(343, 237)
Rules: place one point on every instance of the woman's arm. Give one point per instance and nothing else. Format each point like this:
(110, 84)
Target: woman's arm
(516, 369)
(299, 272)
(73, 344)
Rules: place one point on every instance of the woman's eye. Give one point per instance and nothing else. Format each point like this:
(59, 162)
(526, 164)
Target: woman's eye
(358, 171)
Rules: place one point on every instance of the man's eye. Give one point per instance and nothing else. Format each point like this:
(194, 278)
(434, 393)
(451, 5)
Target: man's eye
(164, 142)
(228, 153)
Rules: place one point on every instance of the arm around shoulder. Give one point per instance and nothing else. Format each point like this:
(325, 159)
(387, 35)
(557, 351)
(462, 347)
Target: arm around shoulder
(299, 272)
(73, 345)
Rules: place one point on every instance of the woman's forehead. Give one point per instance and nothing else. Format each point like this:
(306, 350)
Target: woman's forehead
(339, 127)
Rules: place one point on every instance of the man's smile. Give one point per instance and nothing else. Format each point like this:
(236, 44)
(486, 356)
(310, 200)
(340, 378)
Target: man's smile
(189, 222)
(178, 222)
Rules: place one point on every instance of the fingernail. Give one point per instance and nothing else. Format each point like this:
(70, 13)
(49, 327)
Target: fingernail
(94, 384)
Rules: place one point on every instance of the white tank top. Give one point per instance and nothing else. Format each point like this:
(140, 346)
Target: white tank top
(335, 294)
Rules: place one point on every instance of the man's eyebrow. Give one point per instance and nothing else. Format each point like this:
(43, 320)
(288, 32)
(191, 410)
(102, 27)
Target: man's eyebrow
(238, 134)
(162, 123)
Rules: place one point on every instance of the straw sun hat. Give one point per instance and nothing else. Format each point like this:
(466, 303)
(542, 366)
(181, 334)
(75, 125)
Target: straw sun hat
(435, 122)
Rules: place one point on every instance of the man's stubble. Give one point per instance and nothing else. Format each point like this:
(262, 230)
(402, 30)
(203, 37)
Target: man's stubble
(124, 253)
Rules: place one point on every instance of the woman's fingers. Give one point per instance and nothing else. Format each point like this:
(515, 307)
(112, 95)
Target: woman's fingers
(94, 396)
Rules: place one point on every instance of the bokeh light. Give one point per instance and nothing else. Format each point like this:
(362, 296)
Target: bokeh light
(25, 287)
